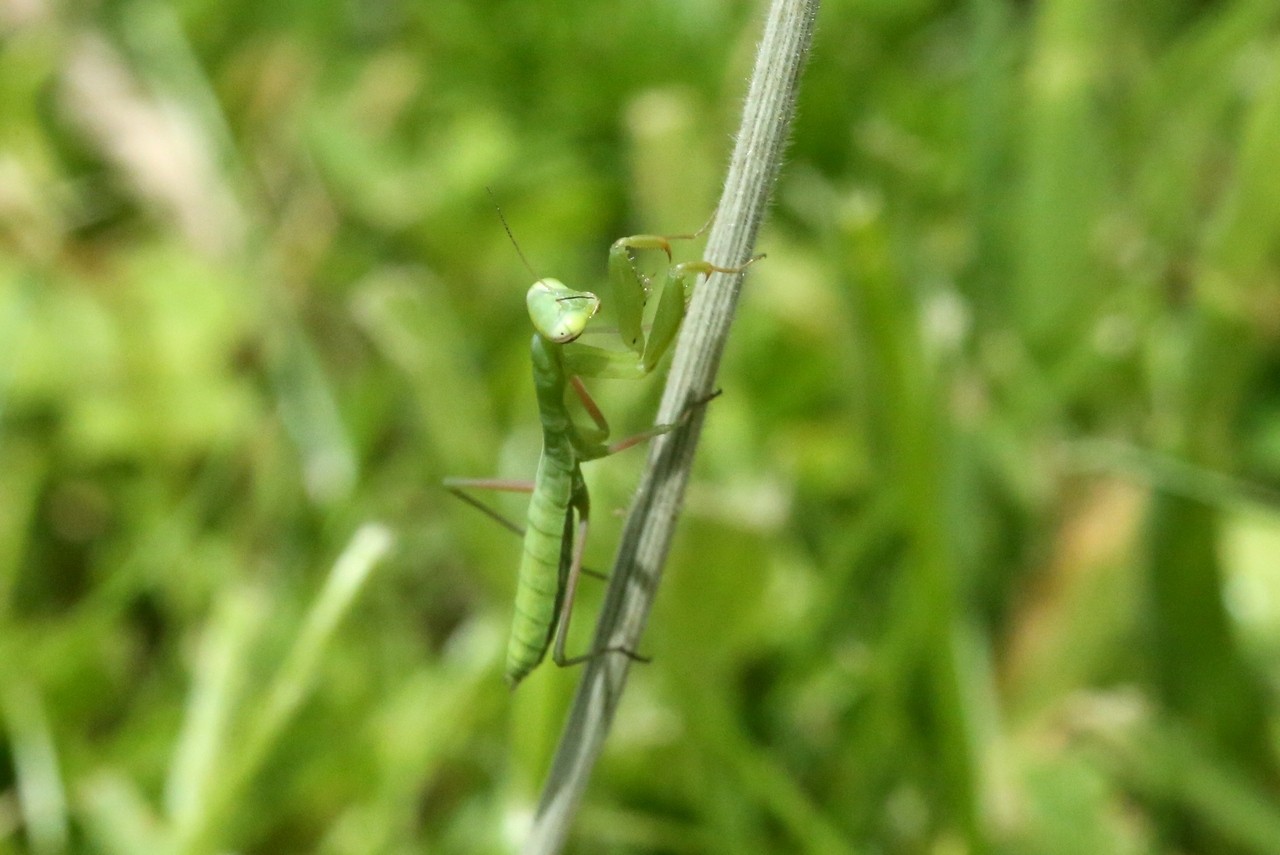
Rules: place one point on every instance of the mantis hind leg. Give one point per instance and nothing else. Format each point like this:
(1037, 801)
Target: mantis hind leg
(582, 505)
(572, 574)
(456, 485)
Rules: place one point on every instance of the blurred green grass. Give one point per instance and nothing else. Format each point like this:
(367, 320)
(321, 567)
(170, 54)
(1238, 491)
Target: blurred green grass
(982, 549)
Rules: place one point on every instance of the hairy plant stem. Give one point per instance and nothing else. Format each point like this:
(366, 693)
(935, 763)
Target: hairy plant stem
(651, 523)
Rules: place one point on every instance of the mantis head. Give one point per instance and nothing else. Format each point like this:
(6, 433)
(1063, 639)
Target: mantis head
(559, 313)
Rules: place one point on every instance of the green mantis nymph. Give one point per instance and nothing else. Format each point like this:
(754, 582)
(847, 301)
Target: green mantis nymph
(554, 540)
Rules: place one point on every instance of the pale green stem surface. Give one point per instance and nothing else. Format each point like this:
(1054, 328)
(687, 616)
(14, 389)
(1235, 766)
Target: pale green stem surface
(651, 523)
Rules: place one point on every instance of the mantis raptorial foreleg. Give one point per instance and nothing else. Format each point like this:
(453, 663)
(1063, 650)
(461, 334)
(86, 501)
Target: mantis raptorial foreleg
(584, 360)
(554, 542)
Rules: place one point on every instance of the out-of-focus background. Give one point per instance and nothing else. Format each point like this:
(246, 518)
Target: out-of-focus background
(982, 551)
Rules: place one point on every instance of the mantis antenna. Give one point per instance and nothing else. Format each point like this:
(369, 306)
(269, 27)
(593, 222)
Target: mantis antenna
(507, 228)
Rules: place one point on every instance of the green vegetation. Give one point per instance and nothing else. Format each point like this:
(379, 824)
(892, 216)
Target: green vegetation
(982, 552)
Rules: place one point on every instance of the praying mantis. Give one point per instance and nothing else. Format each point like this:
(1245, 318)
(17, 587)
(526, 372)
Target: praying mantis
(554, 541)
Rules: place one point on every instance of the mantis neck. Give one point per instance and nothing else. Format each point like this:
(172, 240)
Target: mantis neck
(549, 381)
